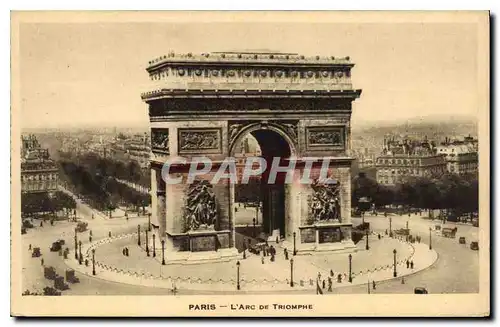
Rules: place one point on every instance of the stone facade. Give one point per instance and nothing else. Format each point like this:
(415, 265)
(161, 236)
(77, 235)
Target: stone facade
(205, 105)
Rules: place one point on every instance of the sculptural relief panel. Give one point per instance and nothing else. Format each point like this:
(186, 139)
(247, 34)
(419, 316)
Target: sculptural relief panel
(328, 137)
(201, 211)
(325, 203)
(201, 140)
(159, 140)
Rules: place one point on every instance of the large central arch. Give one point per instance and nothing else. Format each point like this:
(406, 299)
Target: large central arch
(295, 107)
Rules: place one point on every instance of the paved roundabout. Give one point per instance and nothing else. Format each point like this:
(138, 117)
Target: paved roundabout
(375, 264)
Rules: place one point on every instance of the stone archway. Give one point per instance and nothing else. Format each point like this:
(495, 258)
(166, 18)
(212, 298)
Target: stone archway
(274, 143)
(201, 105)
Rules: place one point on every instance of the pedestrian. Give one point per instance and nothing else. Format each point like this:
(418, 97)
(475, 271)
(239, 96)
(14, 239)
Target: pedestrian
(123, 251)
(411, 264)
(285, 251)
(277, 239)
(29, 248)
(386, 232)
(379, 237)
(374, 285)
(324, 284)
(272, 257)
(330, 284)
(262, 259)
(407, 264)
(42, 261)
(109, 234)
(339, 278)
(331, 273)
(41, 223)
(92, 215)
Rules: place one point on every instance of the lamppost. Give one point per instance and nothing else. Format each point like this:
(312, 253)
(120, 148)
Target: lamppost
(390, 226)
(395, 274)
(80, 250)
(147, 243)
(350, 268)
(154, 245)
(238, 275)
(163, 252)
(291, 272)
(93, 262)
(76, 245)
(430, 238)
(254, 231)
(149, 221)
(139, 235)
(294, 247)
(367, 246)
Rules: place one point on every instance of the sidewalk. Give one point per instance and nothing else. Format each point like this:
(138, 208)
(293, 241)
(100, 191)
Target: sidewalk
(254, 276)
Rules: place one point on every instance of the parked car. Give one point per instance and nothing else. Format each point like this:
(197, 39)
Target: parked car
(461, 240)
(474, 246)
(56, 246)
(420, 290)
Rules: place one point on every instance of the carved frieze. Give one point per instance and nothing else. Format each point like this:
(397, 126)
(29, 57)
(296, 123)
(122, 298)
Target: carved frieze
(200, 207)
(324, 203)
(188, 106)
(159, 140)
(200, 140)
(329, 137)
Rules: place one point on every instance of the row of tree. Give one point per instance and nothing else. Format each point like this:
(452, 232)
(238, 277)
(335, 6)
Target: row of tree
(100, 190)
(453, 194)
(95, 164)
(39, 203)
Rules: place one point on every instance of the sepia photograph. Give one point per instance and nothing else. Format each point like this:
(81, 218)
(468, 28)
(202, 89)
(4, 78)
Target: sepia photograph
(250, 163)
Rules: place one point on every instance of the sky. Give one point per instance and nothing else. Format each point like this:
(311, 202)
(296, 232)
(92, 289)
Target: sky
(74, 74)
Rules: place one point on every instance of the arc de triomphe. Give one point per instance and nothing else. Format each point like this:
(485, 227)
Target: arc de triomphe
(296, 107)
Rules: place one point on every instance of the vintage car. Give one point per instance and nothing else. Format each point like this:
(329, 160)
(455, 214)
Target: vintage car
(420, 290)
(449, 232)
(56, 246)
(461, 240)
(81, 226)
(474, 246)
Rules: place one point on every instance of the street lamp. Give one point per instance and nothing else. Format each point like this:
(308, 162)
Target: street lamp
(80, 250)
(367, 246)
(350, 268)
(294, 247)
(291, 272)
(395, 274)
(139, 235)
(238, 275)
(430, 238)
(93, 262)
(254, 231)
(147, 245)
(154, 246)
(149, 221)
(163, 252)
(76, 245)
